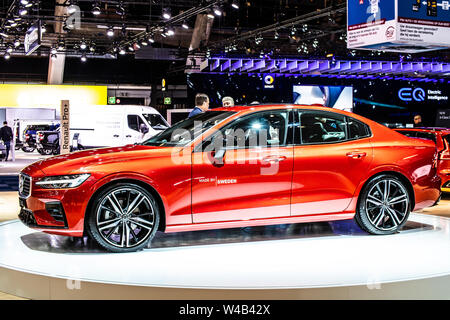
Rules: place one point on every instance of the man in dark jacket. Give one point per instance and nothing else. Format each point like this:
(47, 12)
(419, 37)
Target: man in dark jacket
(6, 135)
(201, 104)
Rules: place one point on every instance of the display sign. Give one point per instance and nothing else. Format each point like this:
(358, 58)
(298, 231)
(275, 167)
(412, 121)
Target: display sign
(167, 100)
(111, 100)
(50, 96)
(398, 25)
(269, 82)
(337, 97)
(163, 84)
(419, 94)
(443, 118)
(33, 38)
(64, 140)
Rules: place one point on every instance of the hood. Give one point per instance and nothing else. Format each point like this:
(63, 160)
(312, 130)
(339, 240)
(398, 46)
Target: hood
(81, 160)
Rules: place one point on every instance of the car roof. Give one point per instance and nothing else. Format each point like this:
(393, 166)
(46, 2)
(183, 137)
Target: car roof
(270, 106)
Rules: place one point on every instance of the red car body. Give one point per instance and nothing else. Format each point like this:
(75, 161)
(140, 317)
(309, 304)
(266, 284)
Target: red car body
(312, 183)
(441, 137)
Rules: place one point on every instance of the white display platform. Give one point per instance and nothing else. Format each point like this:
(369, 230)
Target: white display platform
(320, 260)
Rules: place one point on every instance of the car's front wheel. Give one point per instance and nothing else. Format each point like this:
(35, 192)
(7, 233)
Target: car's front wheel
(124, 218)
(384, 205)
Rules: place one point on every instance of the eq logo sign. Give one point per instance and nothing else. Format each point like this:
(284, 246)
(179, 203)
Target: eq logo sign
(410, 94)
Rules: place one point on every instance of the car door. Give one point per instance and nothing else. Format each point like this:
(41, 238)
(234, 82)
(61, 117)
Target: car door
(253, 178)
(332, 154)
(132, 129)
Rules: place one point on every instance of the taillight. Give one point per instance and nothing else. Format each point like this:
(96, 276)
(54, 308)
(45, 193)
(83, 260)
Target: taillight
(40, 136)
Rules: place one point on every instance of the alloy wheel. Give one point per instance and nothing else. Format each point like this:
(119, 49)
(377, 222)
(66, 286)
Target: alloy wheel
(387, 204)
(125, 217)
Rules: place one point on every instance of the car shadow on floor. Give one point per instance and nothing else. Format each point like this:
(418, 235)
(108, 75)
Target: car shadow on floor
(62, 244)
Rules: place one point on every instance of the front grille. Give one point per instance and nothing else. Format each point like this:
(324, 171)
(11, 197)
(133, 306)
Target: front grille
(24, 185)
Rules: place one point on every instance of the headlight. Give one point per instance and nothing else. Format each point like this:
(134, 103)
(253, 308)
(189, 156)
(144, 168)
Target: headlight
(63, 182)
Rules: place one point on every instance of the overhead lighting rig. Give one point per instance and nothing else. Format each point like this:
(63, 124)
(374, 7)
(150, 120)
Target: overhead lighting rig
(289, 24)
(166, 27)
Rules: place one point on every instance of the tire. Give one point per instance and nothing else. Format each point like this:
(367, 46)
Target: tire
(379, 215)
(27, 149)
(113, 226)
(47, 152)
(41, 151)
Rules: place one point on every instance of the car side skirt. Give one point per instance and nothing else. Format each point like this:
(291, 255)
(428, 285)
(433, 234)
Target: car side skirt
(259, 222)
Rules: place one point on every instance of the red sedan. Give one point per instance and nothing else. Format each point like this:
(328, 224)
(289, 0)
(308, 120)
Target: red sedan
(441, 137)
(234, 167)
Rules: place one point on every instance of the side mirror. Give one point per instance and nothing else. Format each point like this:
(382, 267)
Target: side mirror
(144, 129)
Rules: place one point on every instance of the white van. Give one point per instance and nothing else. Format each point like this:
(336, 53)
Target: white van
(114, 125)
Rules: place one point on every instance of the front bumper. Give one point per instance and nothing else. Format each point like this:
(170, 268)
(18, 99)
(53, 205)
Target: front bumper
(56, 211)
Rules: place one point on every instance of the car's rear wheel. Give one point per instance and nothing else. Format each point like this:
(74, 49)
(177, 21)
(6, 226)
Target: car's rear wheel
(384, 205)
(124, 218)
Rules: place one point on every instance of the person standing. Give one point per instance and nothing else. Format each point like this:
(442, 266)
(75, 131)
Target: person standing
(228, 102)
(418, 121)
(6, 135)
(201, 104)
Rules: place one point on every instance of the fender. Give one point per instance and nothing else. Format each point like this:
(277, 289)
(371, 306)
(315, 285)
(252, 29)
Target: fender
(374, 171)
(128, 175)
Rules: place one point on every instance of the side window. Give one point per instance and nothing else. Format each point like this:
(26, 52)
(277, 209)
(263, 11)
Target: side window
(426, 135)
(133, 122)
(356, 129)
(322, 127)
(262, 129)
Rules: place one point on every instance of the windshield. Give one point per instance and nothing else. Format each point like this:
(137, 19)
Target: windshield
(187, 130)
(156, 121)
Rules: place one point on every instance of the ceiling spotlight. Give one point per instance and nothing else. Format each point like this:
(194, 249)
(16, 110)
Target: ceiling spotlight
(9, 49)
(96, 9)
(92, 47)
(217, 11)
(13, 24)
(170, 32)
(131, 48)
(110, 32)
(7, 56)
(210, 14)
(23, 11)
(16, 42)
(61, 45)
(120, 10)
(83, 45)
(276, 35)
(3, 34)
(166, 13)
(83, 57)
(293, 30)
(137, 45)
(144, 42)
(24, 2)
(53, 50)
(43, 28)
(122, 51)
(185, 25)
(235, 4)
(72, 9)
(151, 38)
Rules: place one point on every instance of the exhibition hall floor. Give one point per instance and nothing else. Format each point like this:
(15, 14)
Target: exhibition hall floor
(328, 260)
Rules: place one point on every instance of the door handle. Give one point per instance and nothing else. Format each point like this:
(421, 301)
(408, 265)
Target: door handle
(356, 154)
(128, 136)
(272, 159)
(116, 136)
